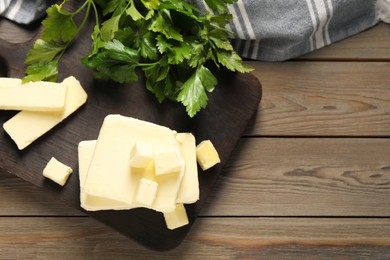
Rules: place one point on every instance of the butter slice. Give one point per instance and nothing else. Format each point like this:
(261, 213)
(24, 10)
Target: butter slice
(41, 122)
(189, 189)
(117, 137)
(88, 202)
(146, 193)
(57, 171)
(141, 154)
(206, 154)
(176, 218)
(31, 96)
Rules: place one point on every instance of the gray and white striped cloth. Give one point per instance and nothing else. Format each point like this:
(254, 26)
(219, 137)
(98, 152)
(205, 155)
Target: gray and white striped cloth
(24, 11)
(271, 30)
(276, 30)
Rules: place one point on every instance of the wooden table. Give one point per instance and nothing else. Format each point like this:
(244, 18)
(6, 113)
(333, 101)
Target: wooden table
(310, 178)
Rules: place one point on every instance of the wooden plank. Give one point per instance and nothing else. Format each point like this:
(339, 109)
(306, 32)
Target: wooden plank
(13, 33)
(323, 99)
(373, 44)
(304, 177)
(222, 238)
(269, 177)
(20, 198)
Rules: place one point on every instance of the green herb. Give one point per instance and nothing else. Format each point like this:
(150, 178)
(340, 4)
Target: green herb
(171, 41)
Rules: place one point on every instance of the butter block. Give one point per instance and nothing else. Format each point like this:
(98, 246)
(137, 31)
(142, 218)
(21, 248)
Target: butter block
(146, 193)
(88, 202)
(189, 188)
(206, 155)
(141, 154)
(117, 137)
(176, 218)
(31, 96)
(57, 171)
(41, 122)
(167, 161)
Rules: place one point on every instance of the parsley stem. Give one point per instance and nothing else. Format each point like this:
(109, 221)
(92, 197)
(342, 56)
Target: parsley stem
(96, 12)
(87, 4)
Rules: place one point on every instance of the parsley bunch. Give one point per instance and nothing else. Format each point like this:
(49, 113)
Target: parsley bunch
(169, 40)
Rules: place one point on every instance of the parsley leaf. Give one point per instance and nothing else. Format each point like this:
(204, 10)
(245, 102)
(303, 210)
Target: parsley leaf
(43, 71)
(110, 27)
(43, 52)
(133, 12)
(193, 91)
(114, 61)
(219, 5)
(59, 25)
(162, 24)
(147, 46)
(232, 61)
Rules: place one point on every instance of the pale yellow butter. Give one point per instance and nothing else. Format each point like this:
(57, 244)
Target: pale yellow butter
(88, 202)
(176, 218)
(109, 175)
(189, 188)
(57, 171)
(206, 154)
(141, 154)
(41, 122)
(146, 192)
(167, 161)
(31, 96)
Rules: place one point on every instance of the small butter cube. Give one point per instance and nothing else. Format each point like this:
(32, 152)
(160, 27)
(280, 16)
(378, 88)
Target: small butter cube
(206, 155)
(176, 218)
(167, 161)
(57, 171)
(141, 154)
(146, 193)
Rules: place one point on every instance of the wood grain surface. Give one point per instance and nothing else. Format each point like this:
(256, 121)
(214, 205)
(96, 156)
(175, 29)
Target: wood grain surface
(310, 179)
(372, 44)
(326, 99)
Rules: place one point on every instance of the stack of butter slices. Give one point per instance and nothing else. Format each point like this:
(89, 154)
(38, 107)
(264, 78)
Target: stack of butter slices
(135, 163)
(43, 105)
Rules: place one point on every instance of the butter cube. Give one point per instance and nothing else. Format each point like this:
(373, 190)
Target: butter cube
(176, 218)
(57, 171)
(146, 193)
(141, 154)
(167, 161)
(206, 155)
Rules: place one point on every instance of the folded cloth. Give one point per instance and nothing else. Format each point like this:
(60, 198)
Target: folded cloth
(4, 5)
(24, 12)
(272, 30)
(276, 30)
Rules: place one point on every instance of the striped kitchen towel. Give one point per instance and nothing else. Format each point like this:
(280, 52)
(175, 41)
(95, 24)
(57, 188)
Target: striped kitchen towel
(276, 30)
(24, 12)
(272, 30)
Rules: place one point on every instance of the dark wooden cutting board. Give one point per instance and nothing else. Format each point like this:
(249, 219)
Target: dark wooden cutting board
(230, 108)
